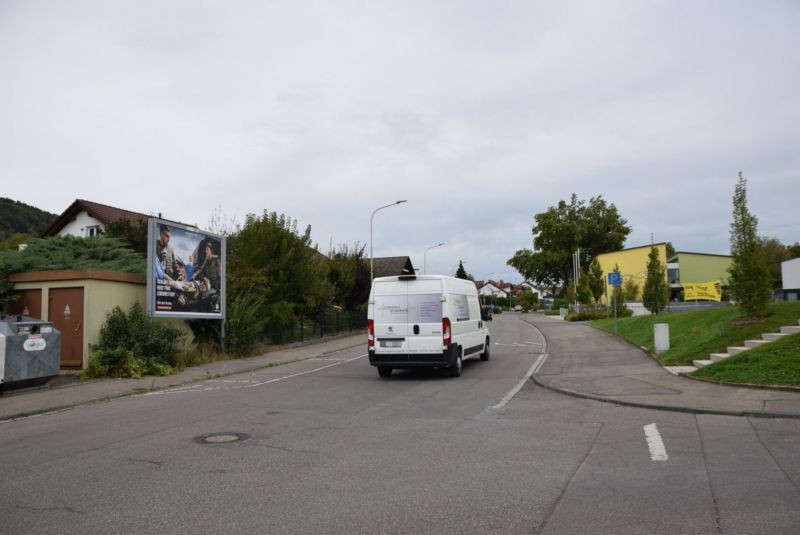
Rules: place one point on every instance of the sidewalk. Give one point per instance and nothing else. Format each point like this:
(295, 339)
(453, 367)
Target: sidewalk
(587, 362)
(19, 403)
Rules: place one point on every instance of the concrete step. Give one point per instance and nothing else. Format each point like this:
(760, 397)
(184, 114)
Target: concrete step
(790, 330)
(678, 370)
(755, 343)
(702, 363)
(771, 337)
(716, 357)
(736, 350)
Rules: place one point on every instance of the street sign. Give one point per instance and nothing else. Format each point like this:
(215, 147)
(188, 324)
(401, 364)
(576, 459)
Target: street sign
(614, 279)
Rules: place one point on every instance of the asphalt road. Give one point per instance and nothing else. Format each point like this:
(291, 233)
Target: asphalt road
(329, 447)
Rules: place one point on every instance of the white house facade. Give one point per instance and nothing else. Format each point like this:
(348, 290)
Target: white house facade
(790, 273)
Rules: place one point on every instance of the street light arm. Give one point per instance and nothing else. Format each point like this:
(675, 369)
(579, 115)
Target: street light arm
(371, 265)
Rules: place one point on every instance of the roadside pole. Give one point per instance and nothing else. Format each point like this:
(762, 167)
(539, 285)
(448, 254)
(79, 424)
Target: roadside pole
(614, 280)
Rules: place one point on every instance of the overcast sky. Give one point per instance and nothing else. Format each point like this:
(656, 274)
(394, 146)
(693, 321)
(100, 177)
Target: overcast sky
(480, 114)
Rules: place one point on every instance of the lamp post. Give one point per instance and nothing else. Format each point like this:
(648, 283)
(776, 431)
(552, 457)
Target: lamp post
(371, 264)
(424, 260)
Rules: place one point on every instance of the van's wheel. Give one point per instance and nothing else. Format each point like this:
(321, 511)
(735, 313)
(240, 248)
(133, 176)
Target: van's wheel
(455, 369)
(485, 354)
(384, 371)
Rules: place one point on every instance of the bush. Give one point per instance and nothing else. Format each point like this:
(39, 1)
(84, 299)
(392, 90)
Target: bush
(589, 315)
(131, 346)
(281, 322)
(244, 324)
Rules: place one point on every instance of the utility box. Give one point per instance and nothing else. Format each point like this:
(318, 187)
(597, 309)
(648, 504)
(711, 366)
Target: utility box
(30, 350)
(661, 335)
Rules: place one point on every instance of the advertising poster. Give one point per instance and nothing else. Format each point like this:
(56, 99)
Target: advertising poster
(185, 272)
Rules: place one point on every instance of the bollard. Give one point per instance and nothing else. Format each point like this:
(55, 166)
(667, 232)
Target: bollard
(661, 336)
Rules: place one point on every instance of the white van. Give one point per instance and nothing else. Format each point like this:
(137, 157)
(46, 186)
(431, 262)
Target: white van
(429, 321)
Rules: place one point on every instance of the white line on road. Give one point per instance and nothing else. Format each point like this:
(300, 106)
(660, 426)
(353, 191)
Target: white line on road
(518, 387)
(657, 450)
(200, 388)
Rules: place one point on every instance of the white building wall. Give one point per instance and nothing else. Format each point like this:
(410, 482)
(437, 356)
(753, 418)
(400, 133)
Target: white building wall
(790, 272)
(80, 227)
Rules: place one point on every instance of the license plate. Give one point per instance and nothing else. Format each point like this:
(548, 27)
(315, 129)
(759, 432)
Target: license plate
(391, 343)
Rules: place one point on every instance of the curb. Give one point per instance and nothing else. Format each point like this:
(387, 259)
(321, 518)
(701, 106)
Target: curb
(668, 408)
(153, 388)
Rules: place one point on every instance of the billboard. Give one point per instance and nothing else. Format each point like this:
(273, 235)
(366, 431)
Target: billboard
(185, 272)
(707, 291)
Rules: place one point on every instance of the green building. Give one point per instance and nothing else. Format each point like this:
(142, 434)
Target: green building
(695, 268)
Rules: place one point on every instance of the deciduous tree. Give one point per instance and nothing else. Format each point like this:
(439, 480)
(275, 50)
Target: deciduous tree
(656, 290)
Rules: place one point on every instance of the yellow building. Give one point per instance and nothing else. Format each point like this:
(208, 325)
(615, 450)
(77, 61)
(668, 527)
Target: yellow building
(632, 264)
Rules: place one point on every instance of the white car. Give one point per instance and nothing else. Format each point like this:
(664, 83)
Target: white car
(518, 308)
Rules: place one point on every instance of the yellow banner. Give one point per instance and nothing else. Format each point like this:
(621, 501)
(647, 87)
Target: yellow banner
(707, 291)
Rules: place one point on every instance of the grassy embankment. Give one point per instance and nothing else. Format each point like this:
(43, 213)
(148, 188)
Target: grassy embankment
(694, 335)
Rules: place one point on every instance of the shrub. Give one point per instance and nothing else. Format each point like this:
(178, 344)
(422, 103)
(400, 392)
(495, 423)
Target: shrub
(281, 322)
(244, 324)
(131, 346)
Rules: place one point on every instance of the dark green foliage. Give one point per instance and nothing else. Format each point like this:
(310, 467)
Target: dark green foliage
(461, 273)
(269, 257)
(794, 250)
(630, 290)
(131, 346)
(15, 240)
(594, 227)
(282, 322)
(133, 233)
(596, 281)
(244, 324)
(656, 290)
(69, 252)
(18, 217)
(775, 253)
(590, 315)
(348, 274)
(528, 299)
(750, 278)
(584, 290)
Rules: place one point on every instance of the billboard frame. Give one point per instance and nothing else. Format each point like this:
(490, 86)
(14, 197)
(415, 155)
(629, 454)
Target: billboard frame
(153, 234)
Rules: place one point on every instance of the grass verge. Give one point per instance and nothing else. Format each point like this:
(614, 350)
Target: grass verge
(694, 335)
(776, 363)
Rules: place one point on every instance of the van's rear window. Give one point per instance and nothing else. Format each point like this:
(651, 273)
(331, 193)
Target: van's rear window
(411, 308)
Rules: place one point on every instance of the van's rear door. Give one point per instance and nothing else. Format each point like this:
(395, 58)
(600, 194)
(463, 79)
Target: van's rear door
(390, 315)
(425, 316)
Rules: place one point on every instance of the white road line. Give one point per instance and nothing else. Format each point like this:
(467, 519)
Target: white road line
(513, 392)
(250, 384)
(657, 450)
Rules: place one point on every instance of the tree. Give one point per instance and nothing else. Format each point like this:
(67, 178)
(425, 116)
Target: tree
(461, 273)
(271, 258)
(569, 292)
(618, 303)
(584, 290)
(750, 278)
(630, 289)
(348, 274)
(595, 227)
(794, 250)
(134, 233)
(775, 253)
(528, 299)
(656, 290)
(596, 283)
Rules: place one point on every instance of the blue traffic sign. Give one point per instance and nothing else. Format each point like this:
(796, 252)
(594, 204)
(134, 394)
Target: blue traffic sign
(614, 279)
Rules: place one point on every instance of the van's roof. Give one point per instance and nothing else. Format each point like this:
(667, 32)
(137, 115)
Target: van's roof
(395, 278)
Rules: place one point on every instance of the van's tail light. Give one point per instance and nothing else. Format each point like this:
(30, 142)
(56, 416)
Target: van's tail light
(446, 337)
(370, 333)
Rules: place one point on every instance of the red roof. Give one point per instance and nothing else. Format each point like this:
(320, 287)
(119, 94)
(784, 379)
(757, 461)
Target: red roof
(102, 212)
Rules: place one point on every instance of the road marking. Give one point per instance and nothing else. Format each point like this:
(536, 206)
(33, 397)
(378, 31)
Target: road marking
(249, 384)
(657, 450)
(518, 387)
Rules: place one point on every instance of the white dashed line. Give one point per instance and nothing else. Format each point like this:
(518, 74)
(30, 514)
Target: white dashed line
(657, 450)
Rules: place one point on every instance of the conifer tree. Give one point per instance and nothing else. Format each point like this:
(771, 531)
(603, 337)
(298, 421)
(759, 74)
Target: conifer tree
(656, 292)
(750, 277)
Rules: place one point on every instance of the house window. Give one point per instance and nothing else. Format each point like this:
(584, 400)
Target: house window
(97, 230)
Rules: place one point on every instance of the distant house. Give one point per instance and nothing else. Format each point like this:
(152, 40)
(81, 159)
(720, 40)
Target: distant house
(86, 219)
(492, 289)
(790, 273)
(392, 265)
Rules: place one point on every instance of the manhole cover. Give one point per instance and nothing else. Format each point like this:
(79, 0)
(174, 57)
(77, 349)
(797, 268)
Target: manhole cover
(221, 438)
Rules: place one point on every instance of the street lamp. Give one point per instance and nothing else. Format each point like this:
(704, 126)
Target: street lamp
(424, 260)
(371, 264)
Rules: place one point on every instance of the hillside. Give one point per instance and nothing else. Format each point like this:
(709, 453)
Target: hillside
(16, 217)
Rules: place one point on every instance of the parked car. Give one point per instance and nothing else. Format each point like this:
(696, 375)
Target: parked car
(518, 308)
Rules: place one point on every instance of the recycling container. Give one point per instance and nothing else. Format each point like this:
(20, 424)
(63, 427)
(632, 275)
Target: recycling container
(30, 350)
